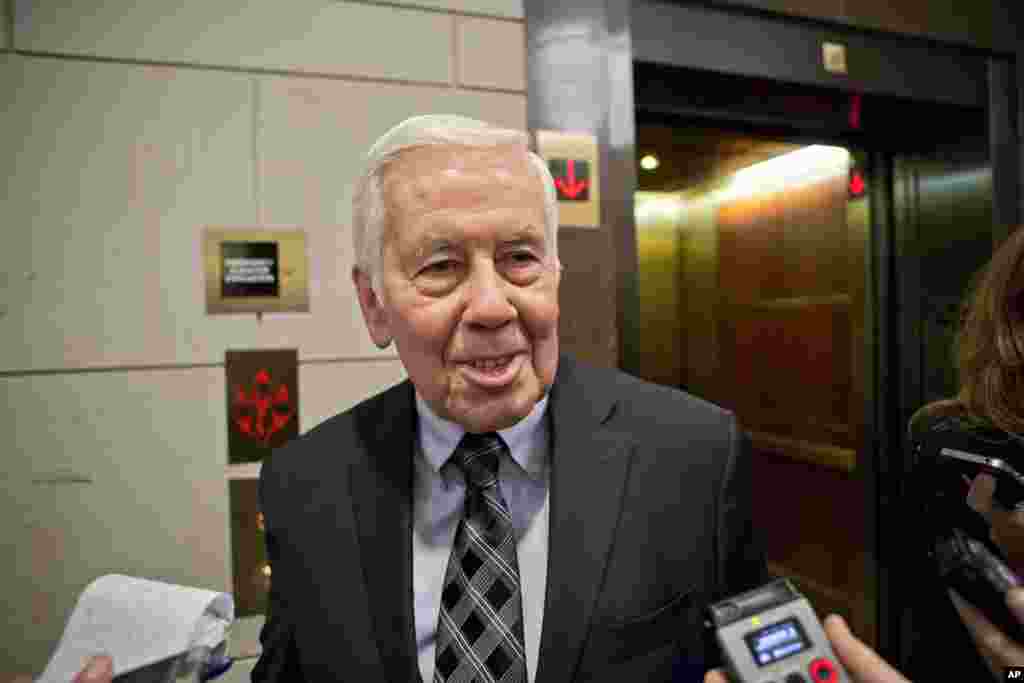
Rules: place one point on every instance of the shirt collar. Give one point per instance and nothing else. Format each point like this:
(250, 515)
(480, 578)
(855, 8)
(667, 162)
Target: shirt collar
(439, 437)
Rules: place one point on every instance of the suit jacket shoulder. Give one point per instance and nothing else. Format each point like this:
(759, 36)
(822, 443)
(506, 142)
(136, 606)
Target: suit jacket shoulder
(638, 400)
(341, 440)
(652, 416)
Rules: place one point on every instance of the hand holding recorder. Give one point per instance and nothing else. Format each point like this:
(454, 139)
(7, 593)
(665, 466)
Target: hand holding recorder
(773, 633)
(862, 663)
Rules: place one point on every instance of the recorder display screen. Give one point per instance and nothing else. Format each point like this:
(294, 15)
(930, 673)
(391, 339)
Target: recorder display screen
(778, 641)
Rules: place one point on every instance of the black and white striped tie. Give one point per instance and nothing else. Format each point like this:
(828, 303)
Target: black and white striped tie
(480, 624)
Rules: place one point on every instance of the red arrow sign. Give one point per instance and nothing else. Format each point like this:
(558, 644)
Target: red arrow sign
(569, 186)
(857, 184)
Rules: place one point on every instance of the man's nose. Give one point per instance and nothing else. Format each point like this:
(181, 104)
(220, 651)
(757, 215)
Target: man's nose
(488, 298)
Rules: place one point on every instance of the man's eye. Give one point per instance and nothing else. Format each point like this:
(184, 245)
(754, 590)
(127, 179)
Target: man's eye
(440, 267)
(520, 258)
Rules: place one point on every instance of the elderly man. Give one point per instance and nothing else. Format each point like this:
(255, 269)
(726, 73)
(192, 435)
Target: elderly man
(505, 514)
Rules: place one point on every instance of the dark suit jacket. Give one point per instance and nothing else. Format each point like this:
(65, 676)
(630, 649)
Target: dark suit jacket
(649, 521)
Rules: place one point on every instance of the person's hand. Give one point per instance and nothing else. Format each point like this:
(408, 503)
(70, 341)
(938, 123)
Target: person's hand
(1007, 526)
(995, 647)
(1007, 532)
(715, 676)
(99, 669)
(862, 663)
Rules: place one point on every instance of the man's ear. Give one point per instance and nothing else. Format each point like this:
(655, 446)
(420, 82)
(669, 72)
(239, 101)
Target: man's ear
(374, 313)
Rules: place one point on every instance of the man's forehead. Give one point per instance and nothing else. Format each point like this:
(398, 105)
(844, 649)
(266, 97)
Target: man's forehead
(429, 160)
(434, 180)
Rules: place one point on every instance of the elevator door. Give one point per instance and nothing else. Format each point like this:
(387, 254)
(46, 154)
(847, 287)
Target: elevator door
(760, 289)
(942, 225)
(752, 281)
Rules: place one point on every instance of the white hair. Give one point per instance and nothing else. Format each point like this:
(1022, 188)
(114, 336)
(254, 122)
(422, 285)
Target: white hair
(369, 207)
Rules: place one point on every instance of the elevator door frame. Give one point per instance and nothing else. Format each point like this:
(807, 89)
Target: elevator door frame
(788, 50)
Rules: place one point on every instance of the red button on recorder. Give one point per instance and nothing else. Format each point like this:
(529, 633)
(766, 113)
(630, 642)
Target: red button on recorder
(823, 671)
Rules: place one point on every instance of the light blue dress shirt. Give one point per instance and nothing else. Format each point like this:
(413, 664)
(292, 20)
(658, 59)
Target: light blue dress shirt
(437, 508)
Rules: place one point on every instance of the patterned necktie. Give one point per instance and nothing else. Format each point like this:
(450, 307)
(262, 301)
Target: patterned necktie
(480, 624)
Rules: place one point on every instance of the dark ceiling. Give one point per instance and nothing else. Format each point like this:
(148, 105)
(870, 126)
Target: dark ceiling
(691, 155)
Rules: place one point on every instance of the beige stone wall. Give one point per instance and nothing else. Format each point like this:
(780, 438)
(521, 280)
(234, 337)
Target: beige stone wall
(126, 129)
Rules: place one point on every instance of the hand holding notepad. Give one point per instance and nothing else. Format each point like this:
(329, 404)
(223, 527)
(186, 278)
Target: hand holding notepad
(138, 622)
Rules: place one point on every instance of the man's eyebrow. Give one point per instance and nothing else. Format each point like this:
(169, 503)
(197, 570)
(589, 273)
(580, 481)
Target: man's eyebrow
(527, 235)
(431, 244)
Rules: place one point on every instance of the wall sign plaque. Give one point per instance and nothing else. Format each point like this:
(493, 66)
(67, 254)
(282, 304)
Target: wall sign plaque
(256, 271)
(572, 159)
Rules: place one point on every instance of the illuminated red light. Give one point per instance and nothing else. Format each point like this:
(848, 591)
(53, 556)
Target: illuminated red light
(572, 178)
(857, 184)
(855, 104)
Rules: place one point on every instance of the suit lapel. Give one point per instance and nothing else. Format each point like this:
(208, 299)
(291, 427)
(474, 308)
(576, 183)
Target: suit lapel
(589, 464)
(382, 506)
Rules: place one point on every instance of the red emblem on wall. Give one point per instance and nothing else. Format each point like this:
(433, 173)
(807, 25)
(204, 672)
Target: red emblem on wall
(263, 408)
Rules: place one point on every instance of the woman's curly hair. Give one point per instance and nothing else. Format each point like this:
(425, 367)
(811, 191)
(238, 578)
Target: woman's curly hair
(989, 346)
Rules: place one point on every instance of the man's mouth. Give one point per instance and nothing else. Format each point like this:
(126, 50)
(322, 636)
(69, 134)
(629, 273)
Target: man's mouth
(491, 364)
(495, 372)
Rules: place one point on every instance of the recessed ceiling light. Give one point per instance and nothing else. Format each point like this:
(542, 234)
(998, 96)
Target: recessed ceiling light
(649, 162)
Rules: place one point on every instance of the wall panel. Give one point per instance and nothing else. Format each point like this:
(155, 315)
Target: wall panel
(106, 206)
(153, 447)
(586, 331)
(326, 389)
(303, 35)
(153, 444)
(491, 54)
(779, 48)
(659, 235)
(981, 23)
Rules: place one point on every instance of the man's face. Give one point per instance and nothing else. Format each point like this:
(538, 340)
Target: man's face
(469, 285)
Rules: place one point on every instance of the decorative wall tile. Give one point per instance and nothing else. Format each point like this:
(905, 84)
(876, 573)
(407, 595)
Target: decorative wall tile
(112, 172)
(303, 35)
(492, 54)
(107, 472)
(124, 472)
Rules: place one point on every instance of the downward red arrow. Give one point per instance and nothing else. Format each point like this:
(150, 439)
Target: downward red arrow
(857, 184)
(569, 186)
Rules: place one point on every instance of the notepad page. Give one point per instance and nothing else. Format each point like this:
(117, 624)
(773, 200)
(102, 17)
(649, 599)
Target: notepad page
(137, 622)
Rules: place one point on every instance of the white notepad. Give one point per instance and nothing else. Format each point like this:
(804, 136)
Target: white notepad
(138, 622)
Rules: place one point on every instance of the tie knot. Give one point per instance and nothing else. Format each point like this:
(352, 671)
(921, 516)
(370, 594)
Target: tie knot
(477, 457)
